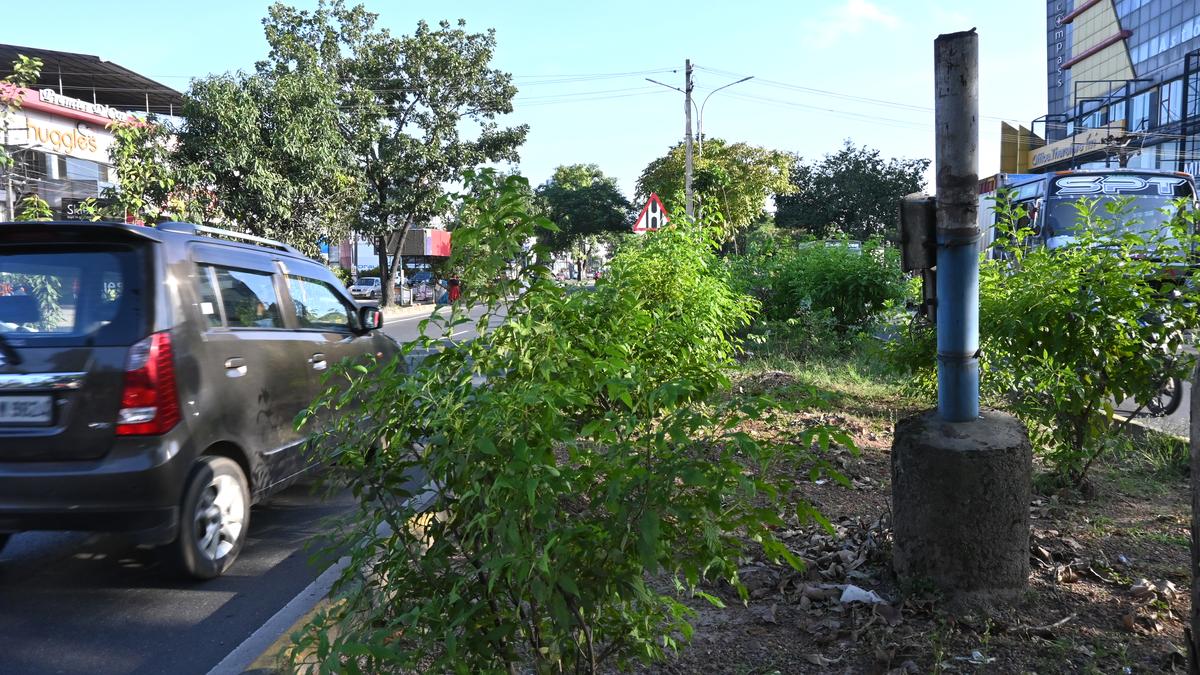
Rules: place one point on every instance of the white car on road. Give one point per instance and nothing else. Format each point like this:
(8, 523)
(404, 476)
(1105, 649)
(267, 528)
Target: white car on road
(367, 287)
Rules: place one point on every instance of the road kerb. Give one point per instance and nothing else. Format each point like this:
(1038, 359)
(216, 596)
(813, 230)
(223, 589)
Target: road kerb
(260, 653)
(396, 313)
(1143, 428)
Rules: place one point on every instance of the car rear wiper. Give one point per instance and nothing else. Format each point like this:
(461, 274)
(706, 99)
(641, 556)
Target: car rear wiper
(10, 354)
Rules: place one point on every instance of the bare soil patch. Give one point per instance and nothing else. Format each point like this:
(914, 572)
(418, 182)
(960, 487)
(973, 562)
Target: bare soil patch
(1108, 591)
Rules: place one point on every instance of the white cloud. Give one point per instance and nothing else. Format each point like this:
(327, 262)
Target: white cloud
(849, 19)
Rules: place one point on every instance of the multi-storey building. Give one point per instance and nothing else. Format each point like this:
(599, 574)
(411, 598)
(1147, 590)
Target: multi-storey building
(1123, 81)
(60, 136)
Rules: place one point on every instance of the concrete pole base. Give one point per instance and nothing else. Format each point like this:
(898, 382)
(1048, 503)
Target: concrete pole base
(960, 506)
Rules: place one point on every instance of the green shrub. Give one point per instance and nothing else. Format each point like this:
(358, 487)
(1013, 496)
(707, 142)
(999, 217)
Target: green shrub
(1066, 333)
(853, 284)
(816, 296)
(573, 450)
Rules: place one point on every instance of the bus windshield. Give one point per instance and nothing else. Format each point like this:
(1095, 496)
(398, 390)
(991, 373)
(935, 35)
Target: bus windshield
(1151, 201)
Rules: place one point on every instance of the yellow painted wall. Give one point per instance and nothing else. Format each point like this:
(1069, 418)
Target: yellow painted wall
(1111, 63)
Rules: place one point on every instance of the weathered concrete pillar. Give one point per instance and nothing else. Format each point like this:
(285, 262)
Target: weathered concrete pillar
(960, 505)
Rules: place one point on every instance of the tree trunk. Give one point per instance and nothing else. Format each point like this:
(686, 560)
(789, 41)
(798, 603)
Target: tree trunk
(1193, 634)
(385, 291)
(395, 253)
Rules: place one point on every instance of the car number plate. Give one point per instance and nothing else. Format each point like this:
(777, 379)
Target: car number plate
(26, 409)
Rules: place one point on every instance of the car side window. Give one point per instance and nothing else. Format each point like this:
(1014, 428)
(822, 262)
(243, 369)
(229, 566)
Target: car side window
(318, 306)
(210, 304)
(248, 298)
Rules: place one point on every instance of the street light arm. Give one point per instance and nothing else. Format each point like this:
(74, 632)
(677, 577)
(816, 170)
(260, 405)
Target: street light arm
(724, 86)
(664, 84)
(700, 131)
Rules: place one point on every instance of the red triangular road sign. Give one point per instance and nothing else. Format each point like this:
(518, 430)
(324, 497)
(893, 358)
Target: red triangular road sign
(653, 216)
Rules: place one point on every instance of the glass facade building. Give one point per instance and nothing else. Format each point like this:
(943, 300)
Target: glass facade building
(1129, 69)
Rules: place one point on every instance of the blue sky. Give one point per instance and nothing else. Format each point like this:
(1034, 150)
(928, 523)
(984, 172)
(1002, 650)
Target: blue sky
(580, 66)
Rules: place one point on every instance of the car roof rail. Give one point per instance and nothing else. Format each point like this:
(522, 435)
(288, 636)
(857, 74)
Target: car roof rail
(216, 232)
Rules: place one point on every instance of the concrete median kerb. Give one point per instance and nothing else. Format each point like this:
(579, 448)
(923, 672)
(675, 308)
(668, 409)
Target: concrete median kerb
(393, 312)
(257, 656)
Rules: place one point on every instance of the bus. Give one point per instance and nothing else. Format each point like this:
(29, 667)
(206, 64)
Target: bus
(1050, 200)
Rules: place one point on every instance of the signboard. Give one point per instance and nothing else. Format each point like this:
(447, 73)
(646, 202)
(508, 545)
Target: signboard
(50, 101)
(1121, 184)
(422, 242)
(1089, 140)
(653, 216)
(61, 137)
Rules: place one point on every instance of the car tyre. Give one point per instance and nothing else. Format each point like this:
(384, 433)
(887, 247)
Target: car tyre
(1167, 399)
(214, 517)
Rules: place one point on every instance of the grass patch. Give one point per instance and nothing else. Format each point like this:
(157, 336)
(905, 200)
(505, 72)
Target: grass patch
(857, 380)
(1159, 537)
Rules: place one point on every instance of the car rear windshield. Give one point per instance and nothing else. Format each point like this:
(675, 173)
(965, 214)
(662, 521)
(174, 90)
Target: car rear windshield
(71, 295)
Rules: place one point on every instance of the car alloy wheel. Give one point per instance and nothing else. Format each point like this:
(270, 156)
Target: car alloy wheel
(214, 517)
(220, 516)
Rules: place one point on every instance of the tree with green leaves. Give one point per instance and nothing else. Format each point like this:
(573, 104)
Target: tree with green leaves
(588, 208)
(853, 191)
(584, 446)
(415, 110)
(153, 182)
(25, 72)
(732, 181)
(269, 147)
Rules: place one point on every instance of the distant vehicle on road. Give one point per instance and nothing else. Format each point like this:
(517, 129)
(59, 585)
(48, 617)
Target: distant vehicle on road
(1050, 200)
(149, 379)
(370, 288)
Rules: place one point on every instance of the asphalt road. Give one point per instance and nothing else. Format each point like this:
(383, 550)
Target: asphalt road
(84, 603)
(81, 603)
(407, 328)
(1177, 423)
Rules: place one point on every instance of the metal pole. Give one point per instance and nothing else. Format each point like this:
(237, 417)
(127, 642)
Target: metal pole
(8, 186)
(687, 109)
(700, 130)
(956, 83)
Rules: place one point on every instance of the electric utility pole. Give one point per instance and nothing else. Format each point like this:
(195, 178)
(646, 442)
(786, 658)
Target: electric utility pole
(8, 178)
(687, 111)
(960, 477)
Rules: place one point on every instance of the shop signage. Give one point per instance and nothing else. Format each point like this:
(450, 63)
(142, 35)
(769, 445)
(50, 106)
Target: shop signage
(63, 137)
(1090, 140)
(53, 103)
(98, 109)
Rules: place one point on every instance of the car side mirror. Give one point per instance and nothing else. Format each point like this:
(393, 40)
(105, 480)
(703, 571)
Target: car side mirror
(370, 318)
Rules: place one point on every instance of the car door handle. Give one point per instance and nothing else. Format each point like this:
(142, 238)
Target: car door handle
(235, 367)
(318, 362)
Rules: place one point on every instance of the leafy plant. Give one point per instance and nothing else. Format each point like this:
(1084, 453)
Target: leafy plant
(25, 72)
(569, 453)
(819, 291)
(33, 207)
(1066, 333)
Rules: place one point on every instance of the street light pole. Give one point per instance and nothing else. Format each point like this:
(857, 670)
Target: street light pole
(687, 111)
(688, 106)
(705, 102)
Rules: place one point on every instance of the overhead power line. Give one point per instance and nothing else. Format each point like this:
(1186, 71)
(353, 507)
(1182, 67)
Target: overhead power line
(841, 95)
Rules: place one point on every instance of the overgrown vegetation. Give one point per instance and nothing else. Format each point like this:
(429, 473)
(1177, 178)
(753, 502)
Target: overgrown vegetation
(817, 296)
(1067, 333)
(571, 453)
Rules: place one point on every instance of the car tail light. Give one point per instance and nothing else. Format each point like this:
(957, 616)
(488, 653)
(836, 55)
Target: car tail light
(149, 402)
